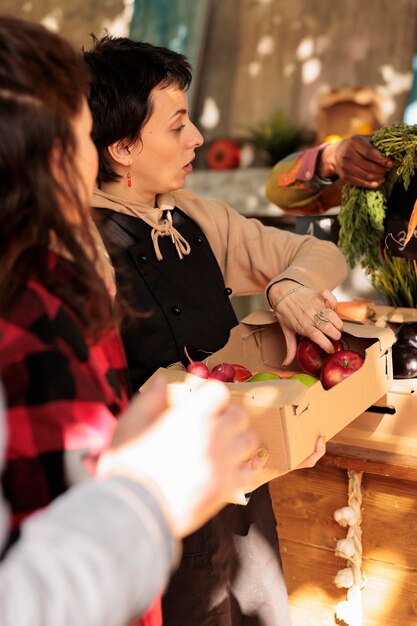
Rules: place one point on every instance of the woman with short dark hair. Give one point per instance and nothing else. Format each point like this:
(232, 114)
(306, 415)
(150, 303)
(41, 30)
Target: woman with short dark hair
(178, 259)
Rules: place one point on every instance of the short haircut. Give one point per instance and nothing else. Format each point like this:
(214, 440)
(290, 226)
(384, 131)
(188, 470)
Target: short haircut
(123, 74)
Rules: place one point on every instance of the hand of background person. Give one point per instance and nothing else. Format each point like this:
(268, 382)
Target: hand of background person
(355, 161)
(312, 459)
(196, 453)
(299, 313)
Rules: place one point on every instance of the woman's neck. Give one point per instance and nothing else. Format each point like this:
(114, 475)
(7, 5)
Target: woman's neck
(119, 189)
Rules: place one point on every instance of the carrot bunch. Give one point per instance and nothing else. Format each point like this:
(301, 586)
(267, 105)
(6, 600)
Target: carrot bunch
(362, 220)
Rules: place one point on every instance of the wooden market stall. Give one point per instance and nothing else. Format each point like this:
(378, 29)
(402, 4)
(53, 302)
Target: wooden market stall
(382, 449)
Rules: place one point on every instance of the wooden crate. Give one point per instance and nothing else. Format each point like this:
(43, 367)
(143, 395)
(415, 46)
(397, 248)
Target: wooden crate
(304, 502)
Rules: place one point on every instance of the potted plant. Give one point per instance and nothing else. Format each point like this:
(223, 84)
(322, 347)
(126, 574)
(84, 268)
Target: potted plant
(277, 137)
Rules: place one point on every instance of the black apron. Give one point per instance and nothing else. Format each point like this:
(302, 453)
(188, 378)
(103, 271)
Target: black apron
(230, 574)
(173, 303)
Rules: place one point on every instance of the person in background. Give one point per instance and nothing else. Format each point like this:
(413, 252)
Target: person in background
(103, 553)
(178, 259)
(311, 181)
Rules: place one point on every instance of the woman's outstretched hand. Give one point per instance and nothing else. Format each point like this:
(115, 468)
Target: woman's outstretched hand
(303, 311)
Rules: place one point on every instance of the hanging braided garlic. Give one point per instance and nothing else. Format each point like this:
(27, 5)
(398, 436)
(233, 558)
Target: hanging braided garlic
(350, 548)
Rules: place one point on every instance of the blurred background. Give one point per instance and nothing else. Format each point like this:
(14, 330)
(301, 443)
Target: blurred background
(253, 58)
(270, 76)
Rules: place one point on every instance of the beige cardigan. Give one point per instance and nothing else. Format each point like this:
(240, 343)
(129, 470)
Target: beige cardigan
(253, 256)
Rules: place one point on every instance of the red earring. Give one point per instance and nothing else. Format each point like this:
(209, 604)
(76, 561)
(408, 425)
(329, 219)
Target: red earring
(129, 178)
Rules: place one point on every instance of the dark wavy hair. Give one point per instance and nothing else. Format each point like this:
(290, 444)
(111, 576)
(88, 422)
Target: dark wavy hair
(123, 74)
(43, 83)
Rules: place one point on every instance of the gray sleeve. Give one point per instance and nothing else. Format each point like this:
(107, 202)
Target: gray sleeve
(97, 556)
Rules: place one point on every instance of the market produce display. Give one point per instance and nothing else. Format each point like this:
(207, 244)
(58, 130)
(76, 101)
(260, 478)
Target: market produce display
(226, 372)
(316, 364)
(362, 219)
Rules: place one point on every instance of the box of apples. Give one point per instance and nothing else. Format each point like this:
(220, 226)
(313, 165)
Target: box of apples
(318, 395)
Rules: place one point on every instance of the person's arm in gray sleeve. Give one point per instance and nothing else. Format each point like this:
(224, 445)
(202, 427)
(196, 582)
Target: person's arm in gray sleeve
(101, 553)
(98, 556)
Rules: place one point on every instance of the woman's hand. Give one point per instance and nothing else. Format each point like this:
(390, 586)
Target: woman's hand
(312, 459)
(307, 313)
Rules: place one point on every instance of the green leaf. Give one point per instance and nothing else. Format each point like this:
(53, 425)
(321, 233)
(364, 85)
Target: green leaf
(278, 136)
(362, 217)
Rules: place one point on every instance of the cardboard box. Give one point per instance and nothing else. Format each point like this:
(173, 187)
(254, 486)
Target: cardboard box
(389, 427)
(384, 315)
(288, 416)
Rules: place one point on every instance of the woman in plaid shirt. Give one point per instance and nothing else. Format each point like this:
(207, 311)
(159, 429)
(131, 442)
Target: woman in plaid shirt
(61, 361)
(61, 364)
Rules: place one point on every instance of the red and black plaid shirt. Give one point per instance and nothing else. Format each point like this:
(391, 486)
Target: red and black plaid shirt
(63, 397)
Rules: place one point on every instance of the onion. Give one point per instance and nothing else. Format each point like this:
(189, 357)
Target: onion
(196, 367)
(224, 372)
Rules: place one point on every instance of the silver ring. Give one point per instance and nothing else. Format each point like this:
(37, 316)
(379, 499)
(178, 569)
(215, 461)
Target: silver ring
(320, 319)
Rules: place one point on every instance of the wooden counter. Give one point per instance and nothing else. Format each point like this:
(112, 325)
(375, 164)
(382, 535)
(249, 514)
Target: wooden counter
(384, 447)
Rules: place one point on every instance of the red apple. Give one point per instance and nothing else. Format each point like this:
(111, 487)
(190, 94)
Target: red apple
(242, 374)
(339, 366)
(311, 356)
